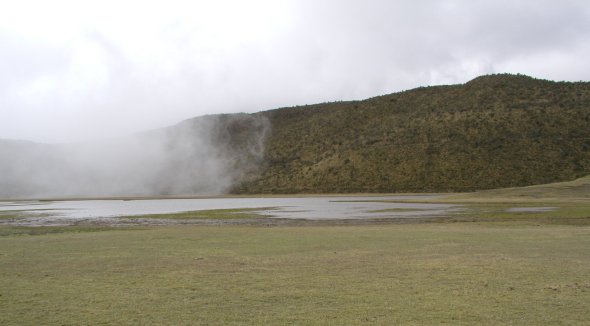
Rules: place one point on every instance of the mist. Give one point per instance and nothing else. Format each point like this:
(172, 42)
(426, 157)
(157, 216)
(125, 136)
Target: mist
(79, 72)
(201, 156)
(70, 68)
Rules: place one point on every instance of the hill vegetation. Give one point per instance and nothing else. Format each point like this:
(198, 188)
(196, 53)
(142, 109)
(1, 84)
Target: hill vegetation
(494, 131)
(572, 192)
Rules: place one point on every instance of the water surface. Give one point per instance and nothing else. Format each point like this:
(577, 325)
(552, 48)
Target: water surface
(310, 208)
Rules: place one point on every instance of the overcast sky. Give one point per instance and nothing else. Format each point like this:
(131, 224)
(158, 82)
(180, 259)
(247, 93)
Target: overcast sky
(78, 70)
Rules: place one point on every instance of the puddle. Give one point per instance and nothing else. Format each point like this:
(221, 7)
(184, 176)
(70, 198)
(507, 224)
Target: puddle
(306, 208)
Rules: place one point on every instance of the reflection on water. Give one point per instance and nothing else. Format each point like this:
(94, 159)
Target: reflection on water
(312, 208)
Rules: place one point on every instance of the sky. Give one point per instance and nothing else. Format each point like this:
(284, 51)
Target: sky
(78, 70)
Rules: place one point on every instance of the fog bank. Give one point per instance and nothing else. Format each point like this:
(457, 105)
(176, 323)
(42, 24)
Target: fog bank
(201, 156)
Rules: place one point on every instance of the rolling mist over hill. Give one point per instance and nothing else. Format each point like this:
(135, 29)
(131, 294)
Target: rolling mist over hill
(204, 155)
(494, 131)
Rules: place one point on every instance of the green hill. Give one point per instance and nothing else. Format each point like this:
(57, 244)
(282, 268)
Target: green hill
(576, 191)
(494, 131)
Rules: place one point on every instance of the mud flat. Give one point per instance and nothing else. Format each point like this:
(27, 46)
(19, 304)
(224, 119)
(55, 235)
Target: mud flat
(239, 210)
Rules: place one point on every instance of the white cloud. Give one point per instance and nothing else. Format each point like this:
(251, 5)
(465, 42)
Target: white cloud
(75, 70)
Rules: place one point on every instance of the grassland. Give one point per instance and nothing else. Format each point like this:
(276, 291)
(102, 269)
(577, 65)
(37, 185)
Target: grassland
(492, 266)
(565, 203)
(474, 273)
(576, 191)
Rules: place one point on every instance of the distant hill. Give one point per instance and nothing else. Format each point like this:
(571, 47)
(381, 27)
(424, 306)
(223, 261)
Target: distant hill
(494, 131)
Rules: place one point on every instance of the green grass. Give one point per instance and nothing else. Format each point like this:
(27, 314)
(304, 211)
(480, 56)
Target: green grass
(563, 213)
(9, 216)
(427, 274)
(576, 191)
(570, 200)
(503, 268)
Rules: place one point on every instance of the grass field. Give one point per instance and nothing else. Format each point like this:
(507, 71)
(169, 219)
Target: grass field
(473, 273)
(576, 191)
(566, 203)
(493, 266)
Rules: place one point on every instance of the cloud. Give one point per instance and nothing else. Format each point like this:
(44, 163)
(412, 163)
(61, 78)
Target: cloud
(77, 70)
(201, 156)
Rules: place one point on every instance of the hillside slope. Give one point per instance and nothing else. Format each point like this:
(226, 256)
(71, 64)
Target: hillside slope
(494, 131)
(576, 191)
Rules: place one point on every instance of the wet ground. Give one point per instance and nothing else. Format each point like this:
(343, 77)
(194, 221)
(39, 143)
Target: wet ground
(273, 210)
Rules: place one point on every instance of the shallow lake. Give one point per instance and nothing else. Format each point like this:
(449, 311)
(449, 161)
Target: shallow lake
(312, 208)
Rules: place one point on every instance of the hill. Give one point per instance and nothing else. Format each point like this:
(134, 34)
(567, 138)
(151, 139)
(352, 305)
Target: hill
(575, 191)
(494, 131)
